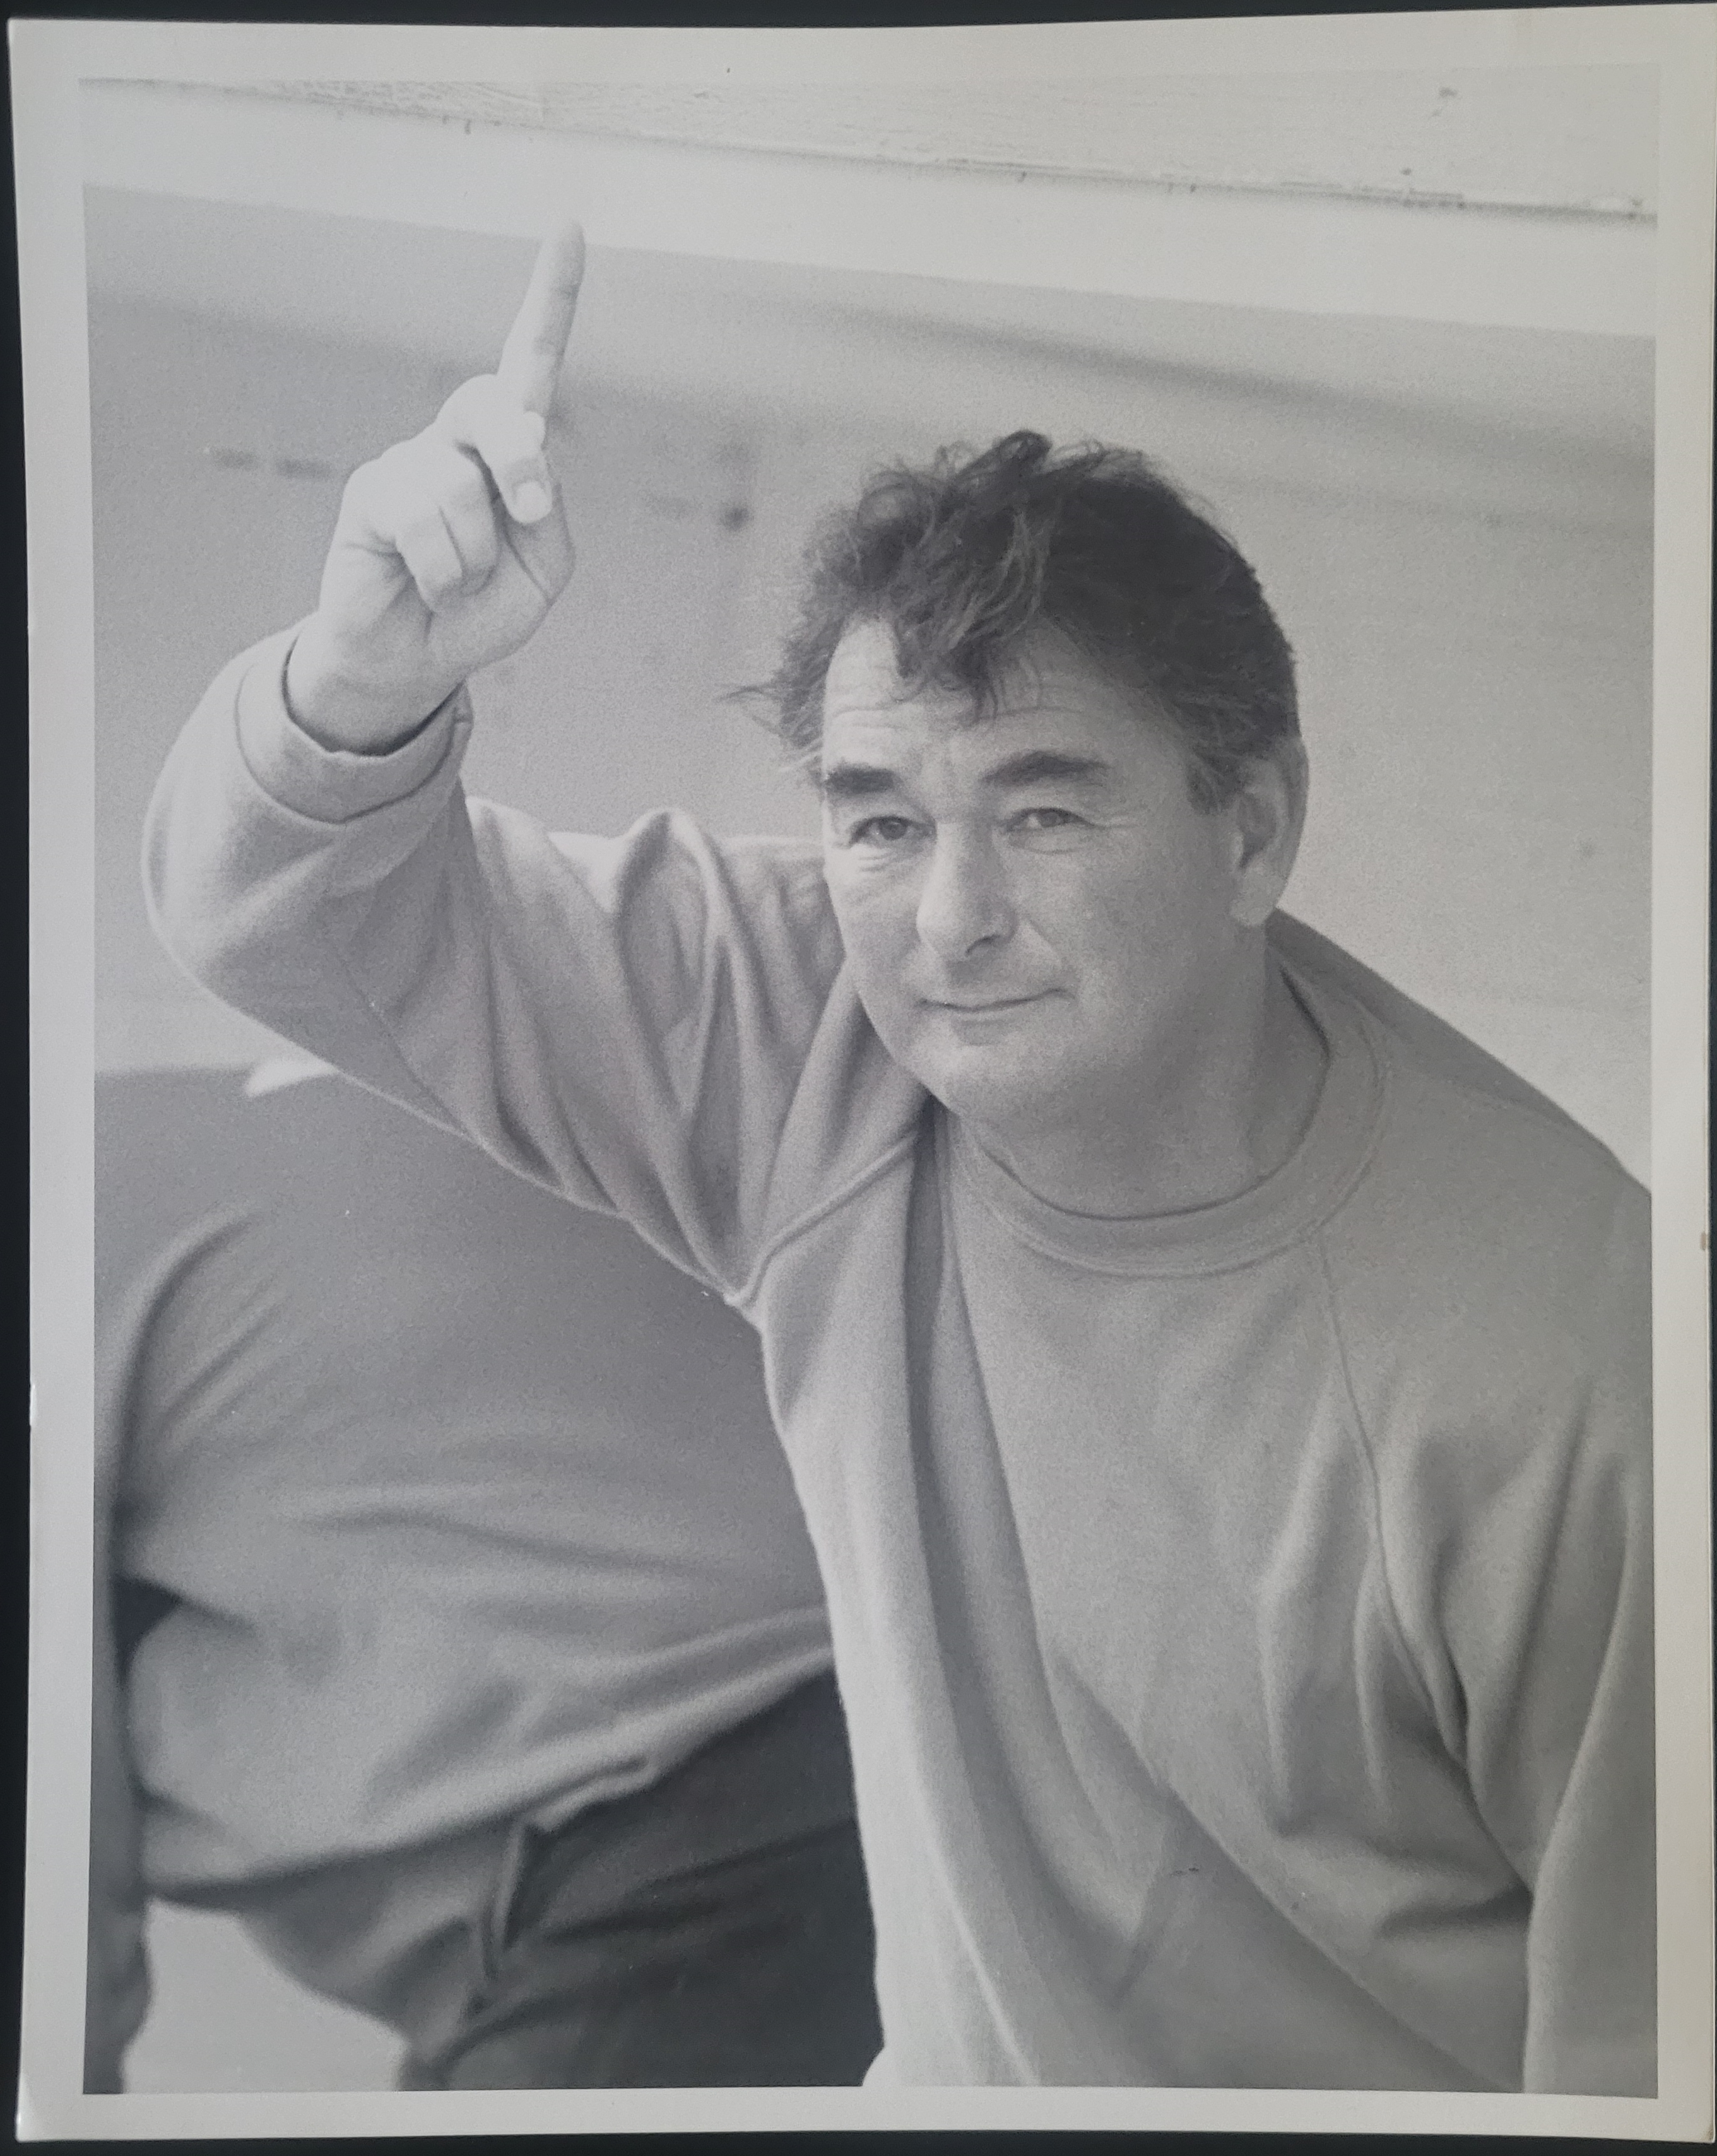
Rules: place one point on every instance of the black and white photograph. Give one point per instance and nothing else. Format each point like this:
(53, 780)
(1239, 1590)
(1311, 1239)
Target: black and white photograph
(870, 892)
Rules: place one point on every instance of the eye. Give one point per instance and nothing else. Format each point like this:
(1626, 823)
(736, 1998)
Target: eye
(879, 831)
(1046, 820)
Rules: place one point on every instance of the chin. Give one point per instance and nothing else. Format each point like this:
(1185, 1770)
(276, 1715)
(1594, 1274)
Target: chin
(989, 1087)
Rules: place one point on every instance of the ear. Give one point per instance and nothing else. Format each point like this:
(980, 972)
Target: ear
(1266, 818)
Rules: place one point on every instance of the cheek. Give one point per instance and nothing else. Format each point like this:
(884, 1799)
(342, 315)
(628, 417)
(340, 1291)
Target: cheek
(1130, 930)
(874, 916)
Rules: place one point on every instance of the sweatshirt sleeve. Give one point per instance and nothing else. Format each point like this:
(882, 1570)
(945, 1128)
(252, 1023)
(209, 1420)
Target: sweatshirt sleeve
(623, 1020)
(1547, 1623)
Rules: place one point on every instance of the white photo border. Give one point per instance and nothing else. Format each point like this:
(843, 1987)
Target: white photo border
(50, 60)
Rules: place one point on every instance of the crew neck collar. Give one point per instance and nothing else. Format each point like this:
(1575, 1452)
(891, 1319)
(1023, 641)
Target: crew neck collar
(1286, 1205)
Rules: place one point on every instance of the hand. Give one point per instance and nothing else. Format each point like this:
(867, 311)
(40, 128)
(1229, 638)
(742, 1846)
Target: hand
(449, 548)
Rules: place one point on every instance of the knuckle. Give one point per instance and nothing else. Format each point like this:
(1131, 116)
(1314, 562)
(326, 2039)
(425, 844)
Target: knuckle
(434, 576)
(477, 542)
(406, 457)
(430, 555)
(473, 404)
(387, 485)
(464, 485)
(475, 526)
(460, 399)
(418, 523)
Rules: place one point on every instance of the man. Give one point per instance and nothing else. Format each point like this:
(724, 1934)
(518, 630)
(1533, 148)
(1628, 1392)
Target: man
(1217, 1391)
(456, 1625)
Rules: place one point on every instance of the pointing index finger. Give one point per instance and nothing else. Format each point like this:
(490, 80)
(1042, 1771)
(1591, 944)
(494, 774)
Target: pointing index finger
(536, 343)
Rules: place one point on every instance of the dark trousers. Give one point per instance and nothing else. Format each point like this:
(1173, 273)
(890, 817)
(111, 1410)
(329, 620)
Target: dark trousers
(711, 1931)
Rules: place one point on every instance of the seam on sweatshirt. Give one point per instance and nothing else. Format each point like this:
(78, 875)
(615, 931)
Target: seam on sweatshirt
(900, 1150)
(1397, 1625)
(430, 1104)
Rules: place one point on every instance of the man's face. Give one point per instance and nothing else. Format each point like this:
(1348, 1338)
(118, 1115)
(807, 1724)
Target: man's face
(1036, 915)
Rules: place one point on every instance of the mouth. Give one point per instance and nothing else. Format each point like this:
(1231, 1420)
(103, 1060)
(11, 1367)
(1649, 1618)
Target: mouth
(994, 1007)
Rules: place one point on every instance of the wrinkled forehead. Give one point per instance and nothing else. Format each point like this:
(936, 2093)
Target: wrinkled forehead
(1041, 675)
(864, 681)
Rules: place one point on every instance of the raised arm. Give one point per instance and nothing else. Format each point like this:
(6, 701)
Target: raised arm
(622, 1020)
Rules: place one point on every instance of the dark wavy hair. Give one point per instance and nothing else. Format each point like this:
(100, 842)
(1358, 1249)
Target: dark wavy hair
(960, 558)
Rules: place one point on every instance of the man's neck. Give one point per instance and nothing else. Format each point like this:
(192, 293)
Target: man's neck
(1210, 1131)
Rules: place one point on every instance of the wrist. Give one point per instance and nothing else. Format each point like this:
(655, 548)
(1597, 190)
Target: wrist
(338, 713)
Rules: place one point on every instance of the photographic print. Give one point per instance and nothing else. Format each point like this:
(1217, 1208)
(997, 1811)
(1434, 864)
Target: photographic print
(871, 879)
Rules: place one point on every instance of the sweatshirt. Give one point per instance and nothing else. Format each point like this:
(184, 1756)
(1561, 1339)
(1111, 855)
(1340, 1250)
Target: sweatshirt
(1242, 1616)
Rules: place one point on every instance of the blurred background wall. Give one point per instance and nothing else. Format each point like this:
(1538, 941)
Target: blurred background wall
(1453, 519)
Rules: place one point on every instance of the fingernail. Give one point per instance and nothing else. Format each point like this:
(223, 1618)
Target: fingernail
(531, 503)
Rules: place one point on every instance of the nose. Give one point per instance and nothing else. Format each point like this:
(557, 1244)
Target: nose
(965, 901)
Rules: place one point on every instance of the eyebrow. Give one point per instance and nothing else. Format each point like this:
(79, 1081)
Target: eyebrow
(1034, 767)
(1037, 766)
(857, 781)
